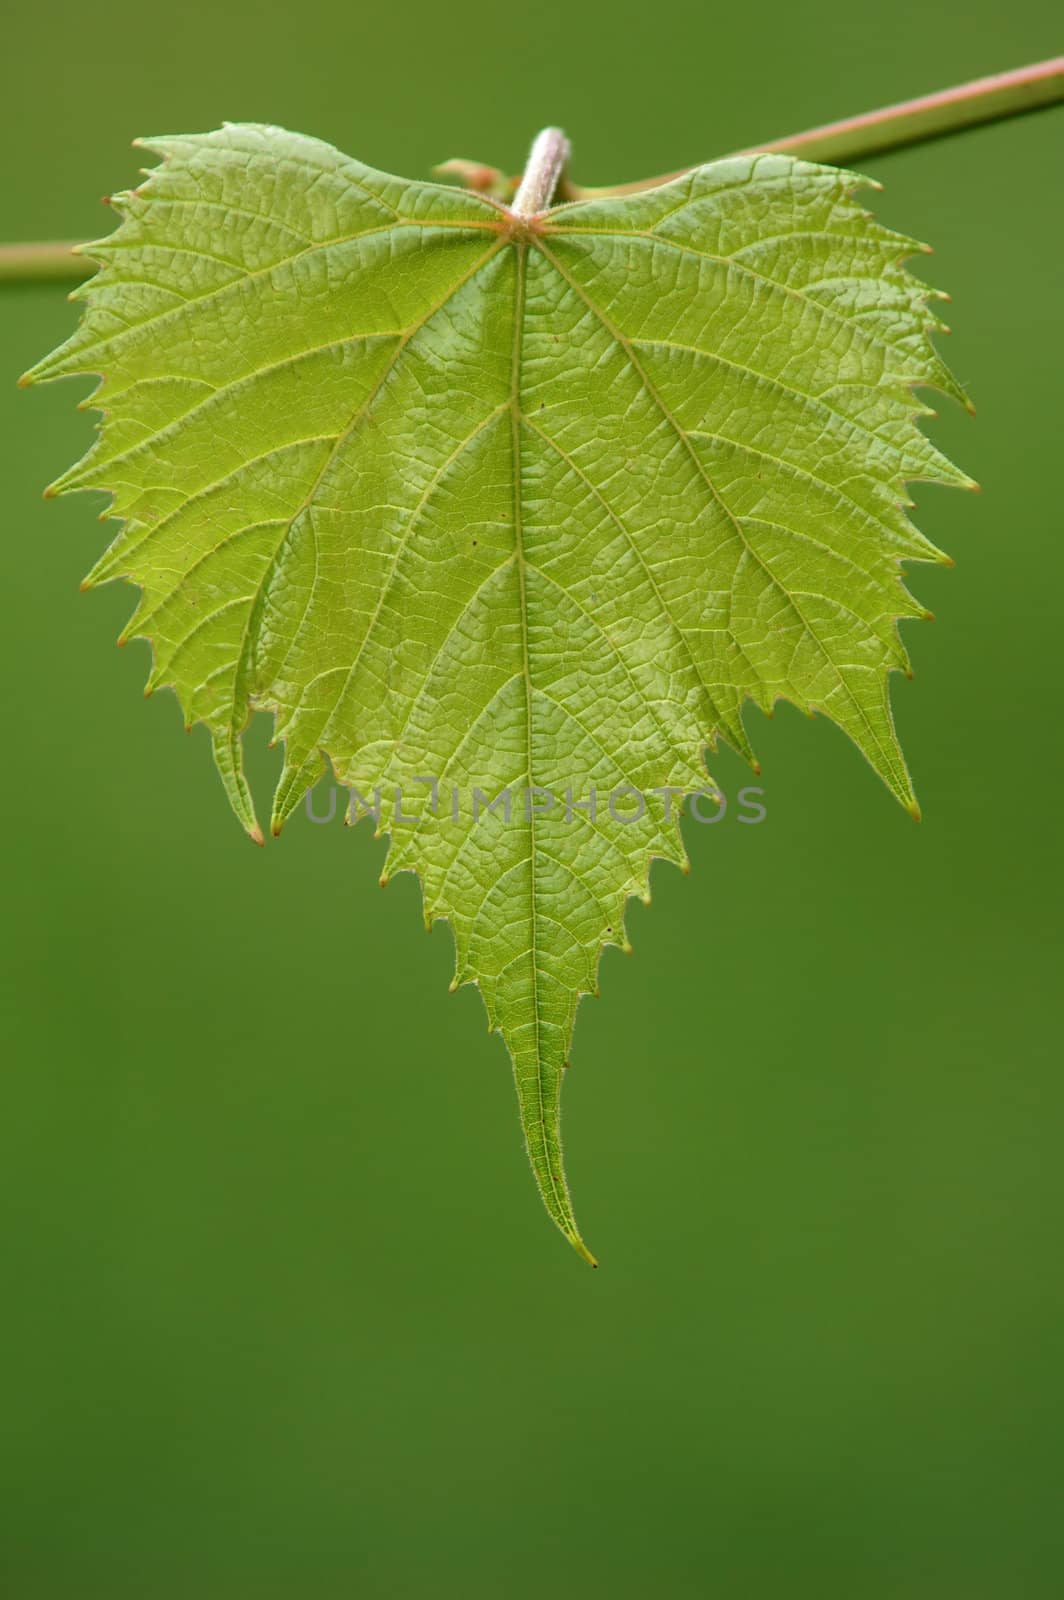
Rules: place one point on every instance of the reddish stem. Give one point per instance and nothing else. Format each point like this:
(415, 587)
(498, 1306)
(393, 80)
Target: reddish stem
(931, 116)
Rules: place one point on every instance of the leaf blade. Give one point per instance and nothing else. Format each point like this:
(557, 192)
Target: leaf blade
(527, 509)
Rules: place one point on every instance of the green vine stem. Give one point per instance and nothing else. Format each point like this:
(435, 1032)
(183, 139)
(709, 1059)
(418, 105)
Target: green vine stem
(36, 263)
(932, 116)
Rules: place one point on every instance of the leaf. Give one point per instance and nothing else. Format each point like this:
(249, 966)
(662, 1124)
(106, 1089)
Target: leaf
(517, 506)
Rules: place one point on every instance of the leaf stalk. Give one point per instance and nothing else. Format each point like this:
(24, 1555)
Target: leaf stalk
(544, 171)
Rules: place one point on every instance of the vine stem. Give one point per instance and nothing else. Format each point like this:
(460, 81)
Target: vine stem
(35, 263)
(932, 116)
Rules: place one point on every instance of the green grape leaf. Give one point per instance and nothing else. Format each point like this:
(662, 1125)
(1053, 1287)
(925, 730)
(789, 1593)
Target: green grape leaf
(521, 510)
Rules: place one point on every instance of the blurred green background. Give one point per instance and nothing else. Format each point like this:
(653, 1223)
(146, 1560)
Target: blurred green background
(283, 1316)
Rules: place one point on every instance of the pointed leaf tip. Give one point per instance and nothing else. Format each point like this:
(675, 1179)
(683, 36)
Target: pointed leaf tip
(581, 1249)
